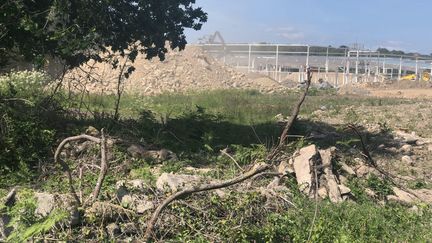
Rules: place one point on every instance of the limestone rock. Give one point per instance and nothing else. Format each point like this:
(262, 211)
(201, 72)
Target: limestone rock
(303, 167)
(347, 169)
(424, 195)
(370, 193)
(143, 206)
(401, 196)
(136, 151)
(331, 183)
(322, 192)
(410, 138)
(344, 189)
(406, 149)
(45, 203)
(113, 230)
(92, 131)
(407, 160)
(174, 182)
(285, 168)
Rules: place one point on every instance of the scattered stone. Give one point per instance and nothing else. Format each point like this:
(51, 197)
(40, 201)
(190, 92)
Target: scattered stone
(370, 193)
(129, 228)
(285, 168)
(174, 182)
(362, 170)
(344, 189)
(343, 179)
(407, 160)
(401, 196)
(143, 206)
(331, 183)
(45, 203)
(303, 163)
(407, 137)
(322, 192)
(198, 170)
(347, 169)
(406, 149)
(136, 151)
(113, 230)
(136, 184)
(92, 131)
(424, 195)
(429, 147)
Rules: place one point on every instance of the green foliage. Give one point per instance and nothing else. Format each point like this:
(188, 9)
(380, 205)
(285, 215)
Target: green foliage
(248, 155)
(76, 30)
(27, 84)
(382, 187)
(25, 223)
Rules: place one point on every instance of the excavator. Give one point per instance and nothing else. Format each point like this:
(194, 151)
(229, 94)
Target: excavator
(425, 77)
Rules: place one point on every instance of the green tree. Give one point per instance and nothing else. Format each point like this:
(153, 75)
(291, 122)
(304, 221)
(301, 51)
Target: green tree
(79, 30)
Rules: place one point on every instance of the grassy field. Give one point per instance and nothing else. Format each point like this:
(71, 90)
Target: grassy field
(196, 126)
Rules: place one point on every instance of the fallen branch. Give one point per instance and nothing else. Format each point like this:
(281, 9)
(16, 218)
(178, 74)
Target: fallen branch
(293, 118)
(235, 161)
(103, 167)
(258, 168)
(372, 162)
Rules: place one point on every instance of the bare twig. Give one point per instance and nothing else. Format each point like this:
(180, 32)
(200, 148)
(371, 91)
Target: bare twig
(316, 204)
(104, 167)
(258, 168)
(294, 114)
(65, 165)
(235, 162)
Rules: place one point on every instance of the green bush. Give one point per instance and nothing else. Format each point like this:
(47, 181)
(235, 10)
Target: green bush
(26, 125)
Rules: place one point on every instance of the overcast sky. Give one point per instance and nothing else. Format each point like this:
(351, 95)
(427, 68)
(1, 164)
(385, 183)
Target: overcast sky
(393, 24)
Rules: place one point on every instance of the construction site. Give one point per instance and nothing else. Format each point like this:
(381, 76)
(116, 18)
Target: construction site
(338, 66)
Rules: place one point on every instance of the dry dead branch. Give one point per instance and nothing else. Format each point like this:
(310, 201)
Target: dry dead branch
(258, 168)
(103, 166)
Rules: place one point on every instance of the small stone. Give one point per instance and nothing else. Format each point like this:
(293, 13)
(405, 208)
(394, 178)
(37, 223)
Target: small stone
(343, 179)
(127, 201)
(45, 203)
(144, 206)
(129, 228)
(136, 151)
(370, 193)
(401, 196)
(344, 189)
(113, 230)
(347, 169)
(406, 149)
(407, 160)
(136, 184)
(285, 168)
(322, 192)
(92, 131)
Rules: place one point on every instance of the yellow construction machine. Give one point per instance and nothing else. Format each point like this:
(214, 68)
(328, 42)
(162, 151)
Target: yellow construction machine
(425, 77)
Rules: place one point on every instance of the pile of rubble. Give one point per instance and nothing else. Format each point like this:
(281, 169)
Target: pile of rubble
(190, 69)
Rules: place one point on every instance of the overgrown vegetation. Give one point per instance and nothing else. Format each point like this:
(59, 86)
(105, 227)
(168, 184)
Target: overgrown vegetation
(196, 127)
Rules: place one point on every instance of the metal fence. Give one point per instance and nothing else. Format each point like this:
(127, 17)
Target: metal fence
(335, 65)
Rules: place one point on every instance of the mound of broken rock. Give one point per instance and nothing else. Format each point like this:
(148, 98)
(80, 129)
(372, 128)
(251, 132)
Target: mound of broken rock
(190, 69)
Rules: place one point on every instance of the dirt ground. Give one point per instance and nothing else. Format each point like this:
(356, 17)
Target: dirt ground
(422, 93)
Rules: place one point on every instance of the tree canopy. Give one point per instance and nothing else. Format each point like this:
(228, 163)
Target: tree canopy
(79, 30)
